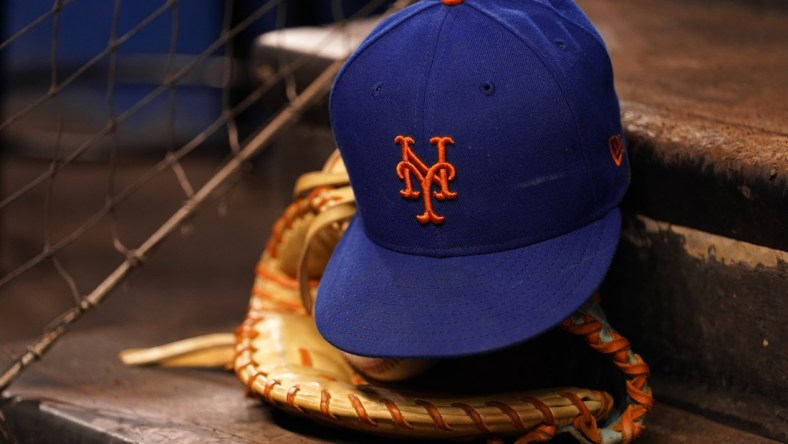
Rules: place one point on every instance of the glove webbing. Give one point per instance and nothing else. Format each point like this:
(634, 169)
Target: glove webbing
(604, 339)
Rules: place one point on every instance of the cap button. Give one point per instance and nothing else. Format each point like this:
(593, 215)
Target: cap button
(452, 2)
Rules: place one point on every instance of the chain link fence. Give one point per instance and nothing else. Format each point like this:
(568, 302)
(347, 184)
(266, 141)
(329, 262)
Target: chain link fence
(137, 89)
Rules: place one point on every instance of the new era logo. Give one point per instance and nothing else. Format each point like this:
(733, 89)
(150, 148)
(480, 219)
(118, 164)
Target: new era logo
(440, 174)
(617, 150)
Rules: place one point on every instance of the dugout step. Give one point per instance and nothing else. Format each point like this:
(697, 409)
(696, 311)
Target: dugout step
(699, 281)
(83, 394)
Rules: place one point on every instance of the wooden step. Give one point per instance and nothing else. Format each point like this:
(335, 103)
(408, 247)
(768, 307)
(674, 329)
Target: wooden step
(700, 278)
(85, 395)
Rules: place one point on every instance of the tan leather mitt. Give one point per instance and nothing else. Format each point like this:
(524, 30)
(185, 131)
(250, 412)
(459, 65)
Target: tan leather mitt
(280, 356)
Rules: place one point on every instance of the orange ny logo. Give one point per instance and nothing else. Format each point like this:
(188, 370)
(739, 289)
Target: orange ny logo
(438, 174)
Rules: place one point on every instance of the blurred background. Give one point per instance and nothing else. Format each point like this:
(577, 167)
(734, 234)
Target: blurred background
(113, 113)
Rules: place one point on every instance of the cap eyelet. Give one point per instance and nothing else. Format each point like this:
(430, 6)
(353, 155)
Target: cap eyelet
(377, 89)
(561, 43)
(487, 88)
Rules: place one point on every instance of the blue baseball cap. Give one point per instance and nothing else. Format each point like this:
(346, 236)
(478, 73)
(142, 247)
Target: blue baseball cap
(484, 147)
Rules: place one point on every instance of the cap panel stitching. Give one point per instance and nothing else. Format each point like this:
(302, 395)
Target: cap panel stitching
(367, 43)
(448, 252)
(566, 18)
(428, 77)
(428, 117)
(558, 84)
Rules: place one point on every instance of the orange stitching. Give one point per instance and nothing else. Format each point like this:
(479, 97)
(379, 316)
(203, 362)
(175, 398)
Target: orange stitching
(243, 347)
(249, 322)
(285, 281)
(543, 432)
(585, 421)
(269, 385)
(278, 304)
(246, 363)
(588, 327)
(357, 380)
(405, 144)
(474, 415)
(435, 414)
(444, 193)
(246, 329)
(396, 414)
(293, 211)
(325, 399)
(411, 164)
(326, 377)
(306, 358)
(581, 406)
(509, 411)
(239, 330)
(254, 315)
(642, 401)
(291, 395)
(279, 227)
(616, 145)
(549, 419)
(361, 412)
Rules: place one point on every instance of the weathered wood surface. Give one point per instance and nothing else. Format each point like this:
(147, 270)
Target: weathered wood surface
(85, 395)
(708, 313)
(704, 87)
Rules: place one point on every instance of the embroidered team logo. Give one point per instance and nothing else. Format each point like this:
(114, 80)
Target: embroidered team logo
(439, 174)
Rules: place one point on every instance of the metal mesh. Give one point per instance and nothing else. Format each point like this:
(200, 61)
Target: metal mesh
(123, 100)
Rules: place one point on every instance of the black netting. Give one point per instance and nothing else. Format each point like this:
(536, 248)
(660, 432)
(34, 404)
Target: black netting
(132, 89)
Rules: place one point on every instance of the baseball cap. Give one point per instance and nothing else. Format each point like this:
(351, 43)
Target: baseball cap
(484, 147)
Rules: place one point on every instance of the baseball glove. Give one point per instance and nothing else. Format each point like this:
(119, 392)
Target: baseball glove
(279, 355)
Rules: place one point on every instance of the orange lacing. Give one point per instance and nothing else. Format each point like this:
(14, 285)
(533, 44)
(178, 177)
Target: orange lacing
(543, 432)
(279, 305)
(313, 203)
(602, 338)
(280, 279)
(585, 421)
(295, 211)
(617, 150)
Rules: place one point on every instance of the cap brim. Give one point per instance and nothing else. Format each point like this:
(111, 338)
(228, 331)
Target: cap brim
(373, 301)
